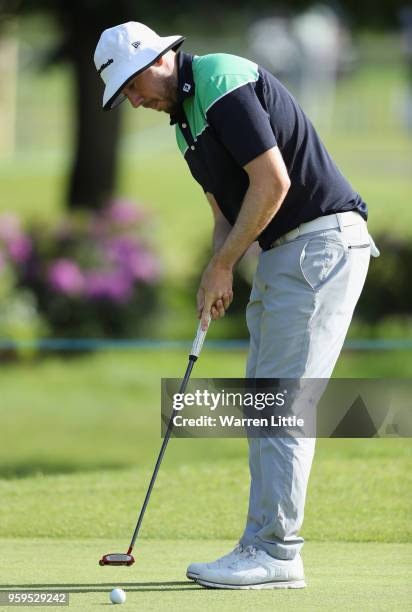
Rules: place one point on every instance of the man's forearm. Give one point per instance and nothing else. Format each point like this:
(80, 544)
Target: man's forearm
(220, 234)
(258, 209)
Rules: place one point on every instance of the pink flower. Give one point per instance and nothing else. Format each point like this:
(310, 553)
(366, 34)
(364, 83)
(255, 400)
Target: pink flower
(112, 286)
(123, 212)
(133, 259)
(65, 276)
(20, 249)
(18, 245)
(145, 266)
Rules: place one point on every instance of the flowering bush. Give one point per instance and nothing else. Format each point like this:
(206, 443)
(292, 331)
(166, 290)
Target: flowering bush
(20, 320)
(92, 275)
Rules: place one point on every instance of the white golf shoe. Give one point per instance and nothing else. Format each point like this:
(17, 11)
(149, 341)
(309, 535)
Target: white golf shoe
(254, 569)
(195, 570)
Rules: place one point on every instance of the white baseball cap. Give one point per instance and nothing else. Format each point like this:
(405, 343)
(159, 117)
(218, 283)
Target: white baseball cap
(123, 52)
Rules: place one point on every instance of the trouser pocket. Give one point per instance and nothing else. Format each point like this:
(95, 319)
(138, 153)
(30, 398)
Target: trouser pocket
(320, 259)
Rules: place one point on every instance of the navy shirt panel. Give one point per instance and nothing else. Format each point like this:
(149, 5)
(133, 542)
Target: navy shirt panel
(247, 121)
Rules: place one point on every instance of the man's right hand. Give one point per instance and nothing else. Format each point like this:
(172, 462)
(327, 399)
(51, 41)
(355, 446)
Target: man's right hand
(215, 292)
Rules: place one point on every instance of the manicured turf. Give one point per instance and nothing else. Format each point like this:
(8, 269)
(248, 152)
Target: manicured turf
(79, 440)
(102, 411)
(367, 577)
(81, 436)
(358, 492)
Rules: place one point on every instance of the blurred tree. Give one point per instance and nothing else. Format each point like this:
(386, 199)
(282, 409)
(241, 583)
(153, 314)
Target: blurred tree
(93, 172)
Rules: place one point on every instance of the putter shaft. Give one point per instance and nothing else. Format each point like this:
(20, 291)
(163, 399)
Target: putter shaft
(194, 354)
(192, 359)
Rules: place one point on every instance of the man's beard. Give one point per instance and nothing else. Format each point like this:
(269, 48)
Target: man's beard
(171, 95)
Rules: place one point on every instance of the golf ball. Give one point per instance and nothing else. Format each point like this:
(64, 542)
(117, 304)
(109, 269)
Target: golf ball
(117, 596)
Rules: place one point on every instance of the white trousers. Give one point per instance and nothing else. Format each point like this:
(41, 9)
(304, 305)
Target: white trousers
(301, 305)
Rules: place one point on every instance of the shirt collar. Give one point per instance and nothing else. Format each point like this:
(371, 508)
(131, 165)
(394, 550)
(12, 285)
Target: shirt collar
(185, 82)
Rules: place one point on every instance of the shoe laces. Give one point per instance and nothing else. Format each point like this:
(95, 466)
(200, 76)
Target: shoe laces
(251, 551)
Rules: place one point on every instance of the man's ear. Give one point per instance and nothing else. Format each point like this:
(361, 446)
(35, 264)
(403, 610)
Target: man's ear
(160, 61)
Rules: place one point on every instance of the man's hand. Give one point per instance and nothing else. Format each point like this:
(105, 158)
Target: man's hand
(215, 292)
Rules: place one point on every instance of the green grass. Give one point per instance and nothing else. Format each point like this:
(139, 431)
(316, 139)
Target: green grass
(79, 440)
(368, 577)
(88, 429)
(62, 415)
(351, 498)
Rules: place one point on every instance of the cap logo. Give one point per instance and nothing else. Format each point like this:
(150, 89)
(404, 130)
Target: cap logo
(187, 87)
(136, 44)
(103, 66)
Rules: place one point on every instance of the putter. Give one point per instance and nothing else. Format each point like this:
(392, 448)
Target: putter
(127, 558)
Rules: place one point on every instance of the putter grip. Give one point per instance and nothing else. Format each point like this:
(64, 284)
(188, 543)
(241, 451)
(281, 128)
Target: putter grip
(200, 338)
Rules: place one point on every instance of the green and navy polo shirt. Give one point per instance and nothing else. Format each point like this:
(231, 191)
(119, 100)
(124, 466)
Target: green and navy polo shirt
(230, 111)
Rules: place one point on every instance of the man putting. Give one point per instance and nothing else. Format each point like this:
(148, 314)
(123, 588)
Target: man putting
(267, 177)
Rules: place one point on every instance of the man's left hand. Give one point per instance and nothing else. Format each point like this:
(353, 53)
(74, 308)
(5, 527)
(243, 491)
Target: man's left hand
(215, 292)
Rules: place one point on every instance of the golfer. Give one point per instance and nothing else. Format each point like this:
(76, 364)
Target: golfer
(267, 177)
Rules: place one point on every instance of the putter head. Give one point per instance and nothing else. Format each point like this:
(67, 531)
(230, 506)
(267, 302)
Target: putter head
(117, 559)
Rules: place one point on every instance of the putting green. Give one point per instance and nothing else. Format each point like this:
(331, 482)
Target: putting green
(340, 576)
